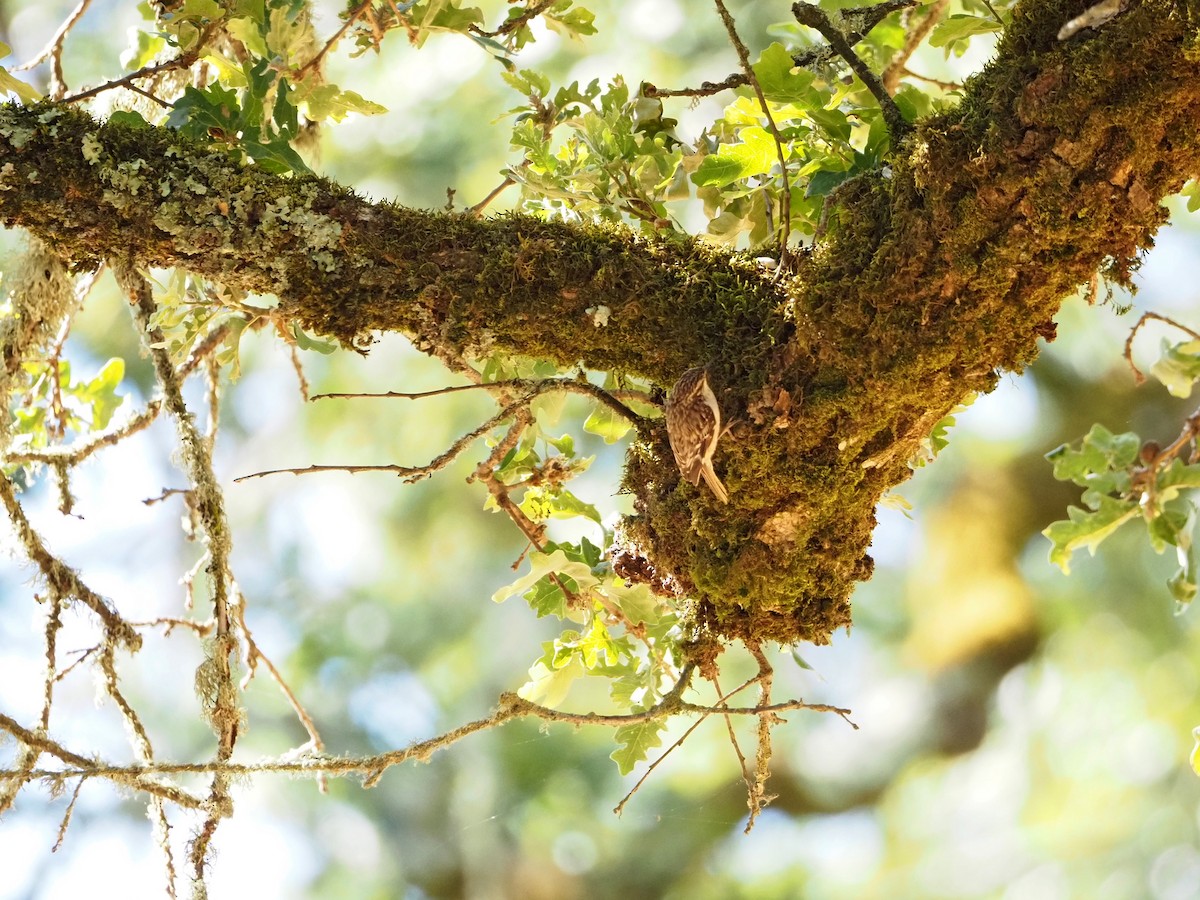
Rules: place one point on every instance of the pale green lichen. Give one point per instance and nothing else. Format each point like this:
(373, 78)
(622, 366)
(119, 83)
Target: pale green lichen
(91, 148)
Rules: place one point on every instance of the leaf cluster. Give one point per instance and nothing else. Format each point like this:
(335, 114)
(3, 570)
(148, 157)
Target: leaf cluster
(1126, 479)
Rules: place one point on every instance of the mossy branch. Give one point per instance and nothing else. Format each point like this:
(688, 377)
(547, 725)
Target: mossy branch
(933, 275)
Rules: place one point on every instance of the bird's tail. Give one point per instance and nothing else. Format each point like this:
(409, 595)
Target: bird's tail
(711, 479)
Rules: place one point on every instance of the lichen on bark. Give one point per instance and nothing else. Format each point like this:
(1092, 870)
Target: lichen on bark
(936, 273)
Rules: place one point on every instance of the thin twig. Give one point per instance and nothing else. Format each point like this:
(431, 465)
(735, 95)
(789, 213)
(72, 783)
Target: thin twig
(864, 17)
(216, 673)
(62, 579)
(785, 198)
(478, 208)
(914, 38)
(353, 17)
(1137, 373)
(620, 807)
(757, 798)
(135, 777)
(53, 52)
(814, 17)
(531, 12)
(183, 61)
(66, 819)
(511, 707)
(936, 82)
(80, 450)
(611, 399)
(410, 474)
(254, 655)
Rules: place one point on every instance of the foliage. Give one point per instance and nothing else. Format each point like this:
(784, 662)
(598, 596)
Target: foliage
(797, 131)
(1126, 479)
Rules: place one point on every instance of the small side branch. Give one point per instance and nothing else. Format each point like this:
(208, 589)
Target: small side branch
(510, 707)
(62, 579)
(898, 67)
(785, 197)
(183, 61)
(534, 386)
(135, 777)
(1146, 317)
(814, 17)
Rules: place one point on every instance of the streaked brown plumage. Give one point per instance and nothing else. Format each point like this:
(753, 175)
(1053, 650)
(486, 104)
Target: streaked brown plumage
(694, 428)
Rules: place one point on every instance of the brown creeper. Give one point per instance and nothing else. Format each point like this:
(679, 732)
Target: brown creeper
(694, 427)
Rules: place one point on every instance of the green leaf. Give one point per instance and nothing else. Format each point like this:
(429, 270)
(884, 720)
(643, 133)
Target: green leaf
(199, 10)
(754, 155)
(1178, 367)
(147, 45)
(597, 645)
(9, 84)
(1177, 476)
(101, 393)
(1101, 451)
(305, 341)
(541, 565)
(832, 121)
(954, 32)
(1191, 191)
(128, 118)
(607, 423)
(549, 686)
(576, 23)
(276, 157)
(196, 112)
(328, 101)
(1086, 529)
(230, 352)
(636, 601)
(821, 183)
(564, 445)
(250, 34)
(781, 81)
(636, 741)
(913, 103)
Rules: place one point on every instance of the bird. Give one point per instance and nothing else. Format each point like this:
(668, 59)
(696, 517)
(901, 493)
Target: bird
(694, 428)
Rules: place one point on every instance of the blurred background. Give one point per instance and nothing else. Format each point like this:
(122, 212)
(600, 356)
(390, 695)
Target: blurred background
(1022, 734)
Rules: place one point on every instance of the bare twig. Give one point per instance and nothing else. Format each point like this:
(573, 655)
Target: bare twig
(536, 386)
(254, 656)
(936, 82)
(63, 580)
(757, 798)
(478, 208)
(183, 61)
(215, 678)
(80, 450)
(706, 89)
(136, 777)
(353, 16)
(620, 807)
(863, 19)
(410, 474)
(373, 767)
(53, 52)
(1137, 373)
(896, 69)
(534, 10)
(66, 819)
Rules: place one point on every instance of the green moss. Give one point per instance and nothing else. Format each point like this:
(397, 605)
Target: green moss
(930, 279)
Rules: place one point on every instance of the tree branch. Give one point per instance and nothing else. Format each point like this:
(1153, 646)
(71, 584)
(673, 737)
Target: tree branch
(932, 276)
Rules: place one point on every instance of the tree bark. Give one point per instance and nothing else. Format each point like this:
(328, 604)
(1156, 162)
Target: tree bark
(935, 274)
